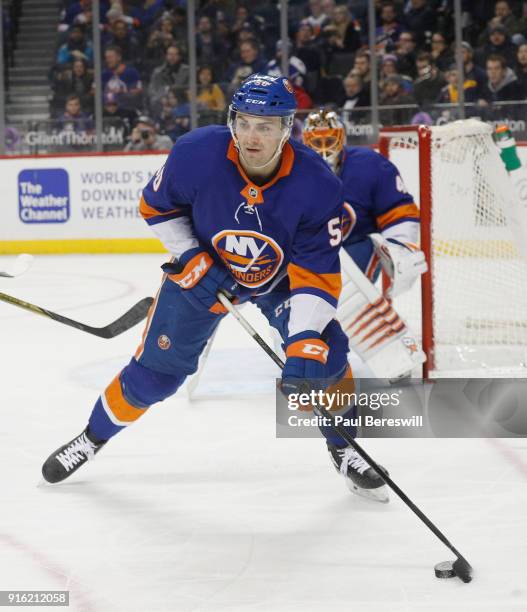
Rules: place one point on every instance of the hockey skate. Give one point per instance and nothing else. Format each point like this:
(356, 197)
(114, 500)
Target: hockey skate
(69, 458)
(360, 477)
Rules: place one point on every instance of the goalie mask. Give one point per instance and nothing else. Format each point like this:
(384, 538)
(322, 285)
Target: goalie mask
(324, 133)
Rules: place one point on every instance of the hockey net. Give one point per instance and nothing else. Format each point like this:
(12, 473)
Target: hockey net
(471, 307)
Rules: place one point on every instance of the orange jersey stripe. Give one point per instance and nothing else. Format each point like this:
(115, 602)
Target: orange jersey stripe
(405, 211)
(116, 402)
(301, 277)
(147, 212)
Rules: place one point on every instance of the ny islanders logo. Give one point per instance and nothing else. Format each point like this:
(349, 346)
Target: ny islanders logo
(252, 258)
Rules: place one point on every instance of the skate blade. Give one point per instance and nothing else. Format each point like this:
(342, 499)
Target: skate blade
(380, 494)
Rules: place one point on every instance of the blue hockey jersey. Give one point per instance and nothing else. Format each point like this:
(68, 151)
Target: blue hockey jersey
(376, 198)
(289, 226)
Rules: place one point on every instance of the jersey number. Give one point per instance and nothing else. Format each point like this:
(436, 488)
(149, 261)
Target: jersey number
(334, 231)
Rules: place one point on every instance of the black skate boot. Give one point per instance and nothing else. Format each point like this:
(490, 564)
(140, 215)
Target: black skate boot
(68, 458)
(360, 477)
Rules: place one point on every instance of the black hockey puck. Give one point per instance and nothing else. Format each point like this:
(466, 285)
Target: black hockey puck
(444, 569)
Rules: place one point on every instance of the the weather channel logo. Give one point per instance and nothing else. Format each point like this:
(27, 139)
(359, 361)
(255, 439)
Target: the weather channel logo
(43, 196)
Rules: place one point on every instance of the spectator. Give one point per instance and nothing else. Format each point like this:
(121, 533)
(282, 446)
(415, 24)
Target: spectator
(503, 16)
(521, 68)
(429, 82)
(419, 19)
(77, 47)
(218, 10)
(342, 33)
(472, 72)
(361, 67)
(317, 19)
(450, 93)
(406, 54)
(306, 49)
(115, 116)
(209, 48)
(172, 73)
(120, 35)
(158, 42)
(73, 118)
(356, 92)
(250, 59)
(393, 94)
(498, 44)
(144, 137)
(210, 95)
(78, 80)
(387, 34)
(389, 68)
(502, 84)
(440, 52)
(244, 20)
(297, 68)
(146, 14)
(121, 79)
(76, 11)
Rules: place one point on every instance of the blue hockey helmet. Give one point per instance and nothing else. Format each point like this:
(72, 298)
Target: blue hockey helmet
(261, 94)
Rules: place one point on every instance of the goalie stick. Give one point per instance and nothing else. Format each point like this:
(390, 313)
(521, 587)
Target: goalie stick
(130, 318)
(18, 267)
(461, 567)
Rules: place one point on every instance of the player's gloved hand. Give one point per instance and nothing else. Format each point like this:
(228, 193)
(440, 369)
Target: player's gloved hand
(402, 262)
(306, 357)
(201, 278)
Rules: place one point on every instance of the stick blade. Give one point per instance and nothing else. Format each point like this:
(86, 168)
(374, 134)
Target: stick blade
(462, 569)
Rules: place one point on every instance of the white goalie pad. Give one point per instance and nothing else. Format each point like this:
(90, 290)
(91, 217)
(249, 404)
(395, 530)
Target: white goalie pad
(402, 264)
(375, 331)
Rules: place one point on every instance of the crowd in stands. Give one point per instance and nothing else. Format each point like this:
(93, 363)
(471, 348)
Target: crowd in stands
(146, 75)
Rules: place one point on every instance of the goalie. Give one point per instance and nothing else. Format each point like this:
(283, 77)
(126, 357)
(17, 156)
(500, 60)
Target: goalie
(380, 227)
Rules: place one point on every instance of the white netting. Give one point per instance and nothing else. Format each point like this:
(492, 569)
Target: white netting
(479, 279)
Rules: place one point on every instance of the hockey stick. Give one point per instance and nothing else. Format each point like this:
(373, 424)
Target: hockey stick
(18, 267)
(461, 567)
(130, 318)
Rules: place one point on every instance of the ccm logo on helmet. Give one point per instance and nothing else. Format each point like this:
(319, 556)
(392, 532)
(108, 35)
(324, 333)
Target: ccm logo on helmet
(255, 101)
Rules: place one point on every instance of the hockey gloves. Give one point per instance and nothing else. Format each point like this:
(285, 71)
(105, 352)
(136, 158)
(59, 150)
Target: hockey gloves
(201, 277)
(306, 357)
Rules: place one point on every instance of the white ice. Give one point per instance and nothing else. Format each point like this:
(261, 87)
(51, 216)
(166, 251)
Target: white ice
(198, 507)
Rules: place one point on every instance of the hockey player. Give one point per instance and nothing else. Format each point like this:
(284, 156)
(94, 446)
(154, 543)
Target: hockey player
(380, 225)
(245, 210)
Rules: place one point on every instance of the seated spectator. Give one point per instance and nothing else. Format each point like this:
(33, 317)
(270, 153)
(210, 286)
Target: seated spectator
(429, 82)
(502, 84)
(342, 33)
(158, 42)
(120, 35)
(297, 68)
(73, 118)
(503, 16)
(78, 80)
(305, 47)
(77, 47)
(172, 73)
(147, 12)
(121, 79)
(472, 72)
(440, 52)
(209, 48)
(218, 10)
(498, 43)
(144, 137)
(450, 93)
(389, 68)
(387, 34)
(361, 67)
(115, 116)
(250, 59)
(76, 12)
(316, 18)
(419, 18)
(357, 94)
(210, 95)
(244, 20)
(521, 68)
(393, 94)
(405, 52)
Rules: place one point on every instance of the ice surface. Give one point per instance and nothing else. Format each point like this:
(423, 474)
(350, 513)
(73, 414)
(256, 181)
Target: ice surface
(198, 507)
